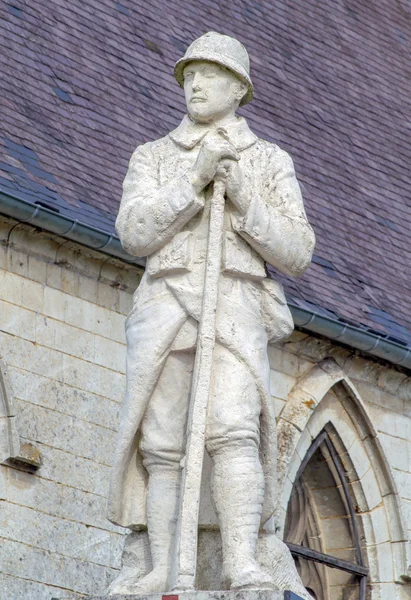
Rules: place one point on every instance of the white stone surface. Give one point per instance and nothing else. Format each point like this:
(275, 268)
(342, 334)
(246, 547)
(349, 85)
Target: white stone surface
(203, 595)
(54, 569)
(208, 205)
(16, 588)
(55, 538)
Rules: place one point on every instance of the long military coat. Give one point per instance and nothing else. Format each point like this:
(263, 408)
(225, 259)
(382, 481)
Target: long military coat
(163, 218)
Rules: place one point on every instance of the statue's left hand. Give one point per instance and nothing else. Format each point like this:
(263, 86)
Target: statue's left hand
(229, 171)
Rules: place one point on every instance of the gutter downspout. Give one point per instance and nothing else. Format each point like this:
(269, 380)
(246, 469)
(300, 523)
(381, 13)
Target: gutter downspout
(97, 239)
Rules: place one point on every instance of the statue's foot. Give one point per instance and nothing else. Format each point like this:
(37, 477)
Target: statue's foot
(155, 581)
(250, 576)
(121, 584)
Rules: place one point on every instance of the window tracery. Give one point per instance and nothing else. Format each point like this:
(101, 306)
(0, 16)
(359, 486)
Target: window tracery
(322, 529)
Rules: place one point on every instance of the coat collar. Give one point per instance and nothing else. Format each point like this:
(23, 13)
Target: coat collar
(188, 134)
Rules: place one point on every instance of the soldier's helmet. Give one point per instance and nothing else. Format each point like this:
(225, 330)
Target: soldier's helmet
(222, 50)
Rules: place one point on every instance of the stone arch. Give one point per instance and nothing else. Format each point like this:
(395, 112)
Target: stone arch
(11, 450)
(325, 397)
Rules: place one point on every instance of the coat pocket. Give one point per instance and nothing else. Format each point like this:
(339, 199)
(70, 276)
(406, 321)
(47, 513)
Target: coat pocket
(174, 257)
(275, 312)
(240, 259)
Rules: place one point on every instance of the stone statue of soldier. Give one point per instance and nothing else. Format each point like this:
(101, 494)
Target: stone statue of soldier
(164, 215)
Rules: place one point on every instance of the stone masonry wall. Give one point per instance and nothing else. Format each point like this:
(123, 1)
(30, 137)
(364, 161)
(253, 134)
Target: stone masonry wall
(62, 311)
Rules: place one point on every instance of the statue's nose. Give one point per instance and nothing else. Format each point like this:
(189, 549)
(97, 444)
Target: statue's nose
(196, 83)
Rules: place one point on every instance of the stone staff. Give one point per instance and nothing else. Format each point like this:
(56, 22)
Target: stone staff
(187, 529)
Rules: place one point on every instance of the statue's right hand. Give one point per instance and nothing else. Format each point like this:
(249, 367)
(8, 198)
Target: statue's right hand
(214, 149)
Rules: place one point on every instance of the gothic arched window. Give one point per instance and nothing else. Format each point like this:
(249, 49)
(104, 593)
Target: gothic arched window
(322, 528)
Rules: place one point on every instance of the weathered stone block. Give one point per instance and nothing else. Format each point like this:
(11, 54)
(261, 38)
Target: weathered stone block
(371, 490)
(281, 384)
(377, 396)
(398, 451)
(64, 398)
(278, 405)
(17, 321)
(69, 281)
(71, 340)
(87, 289)
(53, 569)
(67, 433)
(107, 296)
(32, 295)
(53, 275)
(37, 269)
(403, 483)
(375, 525)
(110, 354)
(13, 588)
(11, 287)
(45, 331)
(61, 536)
(76, 471)
(56, 499)
(125, 302)
(18, 262)
(286, 362)
(55, 303)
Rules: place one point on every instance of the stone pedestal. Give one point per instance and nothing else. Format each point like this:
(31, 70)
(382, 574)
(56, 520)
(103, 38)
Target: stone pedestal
(206, 595)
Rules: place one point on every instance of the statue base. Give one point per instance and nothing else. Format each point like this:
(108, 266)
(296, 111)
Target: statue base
(208, 595)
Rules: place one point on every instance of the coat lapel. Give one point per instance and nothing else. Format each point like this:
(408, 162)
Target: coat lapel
(188, 134)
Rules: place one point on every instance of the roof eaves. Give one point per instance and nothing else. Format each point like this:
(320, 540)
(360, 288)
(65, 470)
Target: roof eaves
(30, 213)
(369, 342)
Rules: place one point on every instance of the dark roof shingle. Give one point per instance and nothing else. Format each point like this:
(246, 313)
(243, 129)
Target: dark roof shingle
(83, 83)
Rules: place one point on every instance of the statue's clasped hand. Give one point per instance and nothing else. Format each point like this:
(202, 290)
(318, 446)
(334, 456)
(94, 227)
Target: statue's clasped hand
(213, 150)
(229, 172)
(218, 160)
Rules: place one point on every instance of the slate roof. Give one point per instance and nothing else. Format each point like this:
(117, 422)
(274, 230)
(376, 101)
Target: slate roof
(83, 83)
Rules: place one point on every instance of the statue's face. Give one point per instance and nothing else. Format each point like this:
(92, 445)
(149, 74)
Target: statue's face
(212, 92)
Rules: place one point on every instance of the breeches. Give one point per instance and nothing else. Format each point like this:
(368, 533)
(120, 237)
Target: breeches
(233, 417)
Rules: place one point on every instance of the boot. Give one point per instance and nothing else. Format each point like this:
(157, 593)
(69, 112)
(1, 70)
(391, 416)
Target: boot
(162, 511)
(238, 494)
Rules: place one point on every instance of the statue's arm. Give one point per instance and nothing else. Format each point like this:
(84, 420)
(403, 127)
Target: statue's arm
(151, 215)
(275, 224)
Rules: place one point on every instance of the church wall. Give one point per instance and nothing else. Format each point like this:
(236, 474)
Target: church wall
(62, 311)
(385, 392)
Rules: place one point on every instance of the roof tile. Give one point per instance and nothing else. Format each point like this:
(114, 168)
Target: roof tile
(84, 83)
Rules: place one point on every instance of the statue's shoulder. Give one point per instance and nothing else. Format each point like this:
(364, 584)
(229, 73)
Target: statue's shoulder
(274, 152)
(152, 150)
(271, 147)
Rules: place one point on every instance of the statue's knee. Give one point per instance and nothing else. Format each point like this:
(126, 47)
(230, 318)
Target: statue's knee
(162, 460)
(237, 443)
(161, 450)
(161, 445)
